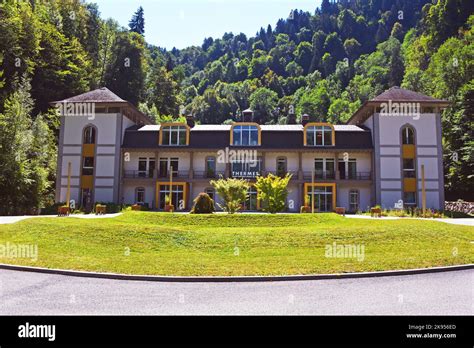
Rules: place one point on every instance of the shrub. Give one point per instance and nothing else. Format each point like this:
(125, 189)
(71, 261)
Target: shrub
(272, 191)
(233, 192)
(111, 207)
(203, 204)
(52, 209)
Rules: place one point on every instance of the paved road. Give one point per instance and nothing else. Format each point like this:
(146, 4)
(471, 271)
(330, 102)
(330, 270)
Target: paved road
(437, 293)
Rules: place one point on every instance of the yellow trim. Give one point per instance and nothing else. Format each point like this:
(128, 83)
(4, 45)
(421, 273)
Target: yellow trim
(333, 185)
(173, 124)
(245, 124)
(178, 183)
(408, 151)
(409, 185)
(87, 181)
(313, 124)
(88, 150)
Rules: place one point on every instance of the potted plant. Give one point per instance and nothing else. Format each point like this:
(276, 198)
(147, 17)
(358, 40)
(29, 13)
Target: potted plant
(210, 173)
(306, 207)
(168, 206)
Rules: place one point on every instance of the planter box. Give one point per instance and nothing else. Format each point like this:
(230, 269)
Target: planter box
(376, 211)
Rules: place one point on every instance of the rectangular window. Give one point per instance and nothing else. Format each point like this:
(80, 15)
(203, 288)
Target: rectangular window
(348, 169)
(409, 168)
(176, 195)
(88, 166)
(245, 135)
(324, 168)
(146, 167)
(140, 195)
(319, 136)
(210, 167)
(142, 163)
(353, 200)
(409, 198)
(168, 164)
(281, 167)
(173, 135)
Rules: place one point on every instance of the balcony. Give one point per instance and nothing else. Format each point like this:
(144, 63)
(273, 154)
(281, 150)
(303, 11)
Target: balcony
(331, 175)
(281, 173)
(208, 174)
(138, 174)
(176, 174)
(320, 175)
(355, 176)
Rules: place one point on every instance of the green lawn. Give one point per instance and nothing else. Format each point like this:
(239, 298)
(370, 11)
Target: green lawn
(242, 244)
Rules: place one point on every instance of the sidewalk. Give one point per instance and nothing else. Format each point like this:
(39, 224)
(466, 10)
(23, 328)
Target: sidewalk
(13, 219)
(463, 221)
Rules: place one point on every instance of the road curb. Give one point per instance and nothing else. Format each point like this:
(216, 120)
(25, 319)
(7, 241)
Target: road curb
(221, 279)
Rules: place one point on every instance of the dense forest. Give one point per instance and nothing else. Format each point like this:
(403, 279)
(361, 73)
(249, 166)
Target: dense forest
(325, 64)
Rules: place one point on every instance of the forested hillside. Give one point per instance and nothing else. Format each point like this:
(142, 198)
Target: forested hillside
(325, 64)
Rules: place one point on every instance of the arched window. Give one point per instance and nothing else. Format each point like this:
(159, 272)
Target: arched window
(211, 192)
(408, 136)
(89, 135)
(281, 166)
(210, 167)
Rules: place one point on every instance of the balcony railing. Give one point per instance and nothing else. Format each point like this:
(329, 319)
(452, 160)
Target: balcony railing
(320, 175)
(138, 174)
(208, 174)
(330, 175)
(356, 176)
(281, 173)
(176, 174)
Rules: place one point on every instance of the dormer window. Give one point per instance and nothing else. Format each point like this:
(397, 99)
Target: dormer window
(319, 134)
(174, 135)
(247, 134)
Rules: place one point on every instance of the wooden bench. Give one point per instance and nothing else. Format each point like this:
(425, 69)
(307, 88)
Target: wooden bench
(376, 211)
(341, 211)
(63, 211)
(136, 207)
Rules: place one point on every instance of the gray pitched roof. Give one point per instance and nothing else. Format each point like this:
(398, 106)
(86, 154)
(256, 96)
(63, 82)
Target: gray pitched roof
(400, 94)
(100, 95)
(394, 94)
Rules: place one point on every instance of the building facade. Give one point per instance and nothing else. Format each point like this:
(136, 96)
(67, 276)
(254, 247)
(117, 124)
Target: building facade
(119, 156)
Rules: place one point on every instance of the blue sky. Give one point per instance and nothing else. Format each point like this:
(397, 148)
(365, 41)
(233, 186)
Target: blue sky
(182, 23)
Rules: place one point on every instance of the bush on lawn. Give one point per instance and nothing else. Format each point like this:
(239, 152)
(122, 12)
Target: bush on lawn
(272, 192)
(203, 204)
(111, 207)
(233, 192)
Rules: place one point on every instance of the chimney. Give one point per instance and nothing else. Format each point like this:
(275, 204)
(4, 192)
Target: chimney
(247, 115)
(304, 119)
(190, 121)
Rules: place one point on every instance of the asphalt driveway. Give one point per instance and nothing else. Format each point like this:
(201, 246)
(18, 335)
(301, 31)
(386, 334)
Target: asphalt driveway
(447, 293)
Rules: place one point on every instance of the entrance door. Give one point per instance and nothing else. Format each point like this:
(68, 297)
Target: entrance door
(323, 198)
